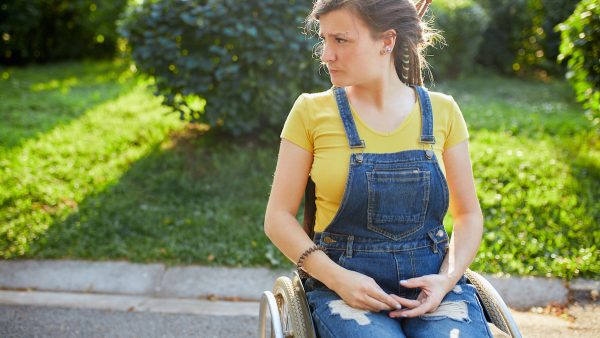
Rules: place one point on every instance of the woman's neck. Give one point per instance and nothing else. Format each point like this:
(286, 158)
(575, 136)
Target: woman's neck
(381, 92)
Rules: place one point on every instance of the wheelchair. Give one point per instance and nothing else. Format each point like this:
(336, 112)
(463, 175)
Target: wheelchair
(285, 309)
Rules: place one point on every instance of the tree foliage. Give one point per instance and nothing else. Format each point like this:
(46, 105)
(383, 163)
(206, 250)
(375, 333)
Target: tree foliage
(581, 47)
(236, 66)
(52, 30)
(520, 37)
(462, 23)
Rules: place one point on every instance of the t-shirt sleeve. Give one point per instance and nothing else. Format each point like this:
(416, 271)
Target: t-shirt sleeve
(457, 127)
(297, 125)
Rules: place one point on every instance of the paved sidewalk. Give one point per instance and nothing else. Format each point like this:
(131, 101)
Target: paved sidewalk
(199, 282)
(214, 294)
(156, 280)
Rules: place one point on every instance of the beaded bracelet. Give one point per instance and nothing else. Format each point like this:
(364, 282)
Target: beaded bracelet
(305, 254)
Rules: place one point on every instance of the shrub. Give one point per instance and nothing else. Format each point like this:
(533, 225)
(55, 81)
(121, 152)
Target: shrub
(539, 42)
(520, 38)
(462, 22)
(51, 30)
(580, 45)
(501, 40)
(236, 66)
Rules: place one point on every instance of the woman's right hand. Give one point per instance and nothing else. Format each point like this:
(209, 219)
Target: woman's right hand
(362, 292)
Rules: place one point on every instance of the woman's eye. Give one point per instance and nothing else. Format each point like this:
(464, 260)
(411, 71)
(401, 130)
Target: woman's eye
(339, 40)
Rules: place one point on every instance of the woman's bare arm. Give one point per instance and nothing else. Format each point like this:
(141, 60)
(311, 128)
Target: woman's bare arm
(465, 211)
(282, 228)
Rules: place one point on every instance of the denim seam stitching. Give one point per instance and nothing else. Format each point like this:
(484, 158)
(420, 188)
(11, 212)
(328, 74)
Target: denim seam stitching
(426, 179)
(414, 272)
(354, 249)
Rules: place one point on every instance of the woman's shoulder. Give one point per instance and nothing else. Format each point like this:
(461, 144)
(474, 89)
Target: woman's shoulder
(313, 106)
(443, 104)
(442, 99)
(317, 97)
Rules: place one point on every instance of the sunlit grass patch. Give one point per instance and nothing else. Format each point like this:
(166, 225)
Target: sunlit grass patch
(46, 175)
(536, 161)
(539, 218)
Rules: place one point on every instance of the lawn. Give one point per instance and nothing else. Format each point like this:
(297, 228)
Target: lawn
(93, 167)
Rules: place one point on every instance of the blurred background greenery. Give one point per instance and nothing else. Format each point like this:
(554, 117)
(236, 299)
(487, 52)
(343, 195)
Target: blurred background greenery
(148, 130)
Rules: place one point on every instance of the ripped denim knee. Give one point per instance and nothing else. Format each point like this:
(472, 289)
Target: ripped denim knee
(451, 307)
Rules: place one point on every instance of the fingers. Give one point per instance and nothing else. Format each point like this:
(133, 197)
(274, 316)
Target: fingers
(415, 312)
(405, 302)
(388, 300)
(414, 282)
(375, 305)
(375, 299)
(419, 309)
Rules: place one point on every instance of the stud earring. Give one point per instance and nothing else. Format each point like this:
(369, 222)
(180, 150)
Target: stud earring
(386, 50)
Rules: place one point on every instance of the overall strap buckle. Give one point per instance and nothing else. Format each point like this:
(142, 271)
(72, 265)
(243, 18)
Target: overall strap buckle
(358, 155)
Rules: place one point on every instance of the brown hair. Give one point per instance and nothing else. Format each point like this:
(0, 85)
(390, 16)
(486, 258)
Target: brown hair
(412, 35)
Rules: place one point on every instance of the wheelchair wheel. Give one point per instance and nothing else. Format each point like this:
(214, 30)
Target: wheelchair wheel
(301, 295)
(494, 308)
(293, 318)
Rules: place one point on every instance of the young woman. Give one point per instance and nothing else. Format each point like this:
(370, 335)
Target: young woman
(388, 158)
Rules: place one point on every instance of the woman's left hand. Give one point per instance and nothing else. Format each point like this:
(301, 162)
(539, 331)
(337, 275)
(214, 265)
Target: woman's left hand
(433, 290)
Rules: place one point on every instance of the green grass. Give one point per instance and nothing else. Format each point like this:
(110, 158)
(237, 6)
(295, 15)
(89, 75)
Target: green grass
(92, 167)
(536, 159)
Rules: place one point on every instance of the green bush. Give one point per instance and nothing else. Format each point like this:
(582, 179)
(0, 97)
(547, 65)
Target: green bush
(501, 40)
(52, 30)
(556, 11)
(462, 23)
(520, 37)
(236, 66)
(539, 45)
(581, 47)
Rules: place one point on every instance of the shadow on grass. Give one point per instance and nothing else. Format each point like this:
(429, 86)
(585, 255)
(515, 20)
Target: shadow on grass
(190, 200)
(36, 99)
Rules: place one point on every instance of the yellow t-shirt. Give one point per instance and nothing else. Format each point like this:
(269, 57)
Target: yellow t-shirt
(315, 124)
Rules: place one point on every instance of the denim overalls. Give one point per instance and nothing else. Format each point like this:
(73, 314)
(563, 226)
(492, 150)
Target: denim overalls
(389, 226)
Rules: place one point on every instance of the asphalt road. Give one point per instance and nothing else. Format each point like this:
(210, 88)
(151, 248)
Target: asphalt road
(578, 320)
(51, 322)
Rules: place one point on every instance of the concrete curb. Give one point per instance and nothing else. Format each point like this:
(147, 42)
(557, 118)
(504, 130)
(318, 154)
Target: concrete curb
(129, 303)
(154, 280)
(233, 284)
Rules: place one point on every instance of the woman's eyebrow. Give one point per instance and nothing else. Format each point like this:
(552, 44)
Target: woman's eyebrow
(334, 35)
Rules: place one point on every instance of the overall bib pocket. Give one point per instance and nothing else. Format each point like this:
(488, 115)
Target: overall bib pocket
(397, 201)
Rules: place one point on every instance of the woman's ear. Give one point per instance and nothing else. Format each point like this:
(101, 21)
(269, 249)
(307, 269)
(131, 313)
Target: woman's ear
(389, 39)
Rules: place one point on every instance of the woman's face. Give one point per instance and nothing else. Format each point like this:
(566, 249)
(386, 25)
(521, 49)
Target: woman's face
(350, 53)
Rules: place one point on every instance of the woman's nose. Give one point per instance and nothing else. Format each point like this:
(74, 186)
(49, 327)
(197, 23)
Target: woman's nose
(327, 54)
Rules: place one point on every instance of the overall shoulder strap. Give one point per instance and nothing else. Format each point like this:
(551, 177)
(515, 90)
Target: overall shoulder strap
(344, 107)
(427, 116)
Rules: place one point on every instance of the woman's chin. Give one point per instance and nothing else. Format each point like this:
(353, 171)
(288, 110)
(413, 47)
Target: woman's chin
(338, 82)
